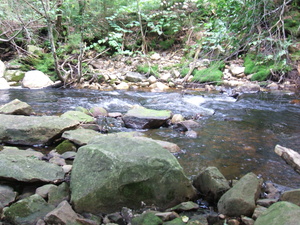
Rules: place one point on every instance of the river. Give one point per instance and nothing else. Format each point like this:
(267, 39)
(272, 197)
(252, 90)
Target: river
(236, 135)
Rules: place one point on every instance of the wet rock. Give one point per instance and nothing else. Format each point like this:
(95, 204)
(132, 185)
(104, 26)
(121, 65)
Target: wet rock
(58, 194)
(78, 116)
(148, 218)
(134, 77)
(280, 213)
(27, 211)
(36, 79)
(191, 134)
(8, 150)
(27, 169)
(241, 198)
(139, 170)
(80, 136)
(184, 206)
(63, 214)
(211, 183)
(171, 147)
(292, 196)
(176, 118)
(143, 118)
(189, 124)
(98, 111)
(4, 84)
(43, 191)
(16, 107)
(32, 130)
(271, 191)
(7, 195)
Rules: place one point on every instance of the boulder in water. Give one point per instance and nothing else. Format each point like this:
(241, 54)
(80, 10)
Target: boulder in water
(143, 118)
(16, 107)
(36, 79)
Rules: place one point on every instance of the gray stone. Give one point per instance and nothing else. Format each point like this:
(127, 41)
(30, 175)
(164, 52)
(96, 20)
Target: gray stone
(32, 130)
(36, 79)
(241, 198)
(78, 116)
(258, 211)
(116, 172)
(58, 194)
(27, 211)
(292, 196)
(176, 118)
(44, 190)
(65, 146)
(148, 218)
(184, 206)
(266, 202)
(98, 111)
(8, 150)
(280, 213)
(80, 136)
(25, 169)
(211, 183)
(143, 118)
(7, 195)
(63, 214)
(171, 147)
(134, 77)
(16, 107)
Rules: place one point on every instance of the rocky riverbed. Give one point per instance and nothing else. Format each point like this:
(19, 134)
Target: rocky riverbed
(96, 176)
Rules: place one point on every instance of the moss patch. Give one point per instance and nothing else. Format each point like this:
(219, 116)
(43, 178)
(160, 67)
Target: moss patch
(211, 74)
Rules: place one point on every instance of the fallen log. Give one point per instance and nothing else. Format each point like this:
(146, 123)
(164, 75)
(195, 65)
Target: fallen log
(290, 156)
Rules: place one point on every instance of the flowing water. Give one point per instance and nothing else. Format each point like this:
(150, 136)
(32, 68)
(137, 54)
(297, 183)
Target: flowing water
(237, 136)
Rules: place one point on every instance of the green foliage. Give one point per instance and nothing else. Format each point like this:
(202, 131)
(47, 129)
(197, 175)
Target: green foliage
(42, 61)
(212, 74)
(146, 69)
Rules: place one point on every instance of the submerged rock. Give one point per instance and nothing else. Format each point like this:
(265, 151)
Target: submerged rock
(114, 172)
(27, 169)
(32, 130)
(16, 107)
(241, 198)
(143, 118)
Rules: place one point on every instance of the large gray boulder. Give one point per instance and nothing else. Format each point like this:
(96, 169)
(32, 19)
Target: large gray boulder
(27, 169)
(32, 130)
(36, 79)
(142, 118)
(16, 107)
(280, 213)
(241, 198)
(27, 211)
(211, 183)
(115, 172)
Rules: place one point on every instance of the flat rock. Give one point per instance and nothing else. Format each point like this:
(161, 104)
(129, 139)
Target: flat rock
(78, 116)
(8, 150)
(80, 136)
(27, 169)
(32, 130)
(143, 118)
(16, 107)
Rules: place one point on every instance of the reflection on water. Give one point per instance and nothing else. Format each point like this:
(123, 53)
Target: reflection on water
(238, 138)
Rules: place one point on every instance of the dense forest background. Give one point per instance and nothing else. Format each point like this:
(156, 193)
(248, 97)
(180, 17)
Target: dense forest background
(263, 34)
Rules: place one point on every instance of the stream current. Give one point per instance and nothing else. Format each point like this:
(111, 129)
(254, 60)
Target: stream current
(235, 135)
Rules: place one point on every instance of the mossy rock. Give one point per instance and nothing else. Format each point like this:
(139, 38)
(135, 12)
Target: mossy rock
(78, 116)
(147, 219)
(213, 75)
(66, 146)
